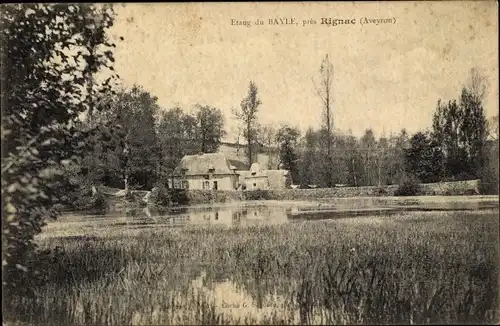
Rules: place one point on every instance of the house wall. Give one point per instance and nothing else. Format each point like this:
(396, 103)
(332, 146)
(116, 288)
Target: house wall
(257, 183)
(224, 182)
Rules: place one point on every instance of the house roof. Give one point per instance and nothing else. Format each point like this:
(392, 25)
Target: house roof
(200, 164)
(255, 167)
(238, 164)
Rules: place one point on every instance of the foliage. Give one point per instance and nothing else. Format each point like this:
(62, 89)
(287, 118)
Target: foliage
(461, 128)
(368, 146)
(455, 149)
(44, 91)
(308, 167)
(181, 133)
(355, 162)
(160, 195)
(210, 128)
(410, 187)
(424, 158)
(83, 198)
(287, 139)
(177, 135)
(267, 137)
(323, 87)
(258, 194)
(247, 115)
(135, 110)
(489, 173)
(380, 191)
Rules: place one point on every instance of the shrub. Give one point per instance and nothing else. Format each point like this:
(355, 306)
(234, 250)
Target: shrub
(408, 188)
(258, 194)
(380, 191)
(488, 185)
(82, 199)
(160, 195)
(179, 196)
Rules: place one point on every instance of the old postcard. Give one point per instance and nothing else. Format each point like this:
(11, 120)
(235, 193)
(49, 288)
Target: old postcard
(250, 163)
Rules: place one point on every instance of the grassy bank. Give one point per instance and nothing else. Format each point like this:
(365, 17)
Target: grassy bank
(411, 268)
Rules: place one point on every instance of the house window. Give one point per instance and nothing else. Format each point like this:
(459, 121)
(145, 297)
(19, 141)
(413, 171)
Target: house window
(215, 185)
(206, 184)
(185, 184)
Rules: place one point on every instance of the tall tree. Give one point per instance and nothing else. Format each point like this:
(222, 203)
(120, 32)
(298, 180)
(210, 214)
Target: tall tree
(447, 123)
(309, 169)
(177, 133)
(368, 147)
(267, 135)
(340, 160)
(324, 89)
(247, 115)
(382, 160)
(353, 161)
(424, 158)
(493, 128)
(462, 129)
(473, 131)
(477, 84)
(42, 96)
(287, 139)
(136, 157)
(210, 128)
(396, 170)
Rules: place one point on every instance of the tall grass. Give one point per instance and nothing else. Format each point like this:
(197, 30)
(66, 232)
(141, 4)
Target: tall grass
(413, 268)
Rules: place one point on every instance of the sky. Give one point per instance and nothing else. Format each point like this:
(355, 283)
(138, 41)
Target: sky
(386, 77)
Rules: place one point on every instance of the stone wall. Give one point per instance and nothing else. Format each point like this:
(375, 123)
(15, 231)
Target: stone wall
(210, 196)
(431, 189)
(192, 197)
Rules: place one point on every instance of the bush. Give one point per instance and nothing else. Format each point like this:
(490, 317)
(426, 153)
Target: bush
(160, 195)
(380, 191)
(80, 198)
(408, 188)
(488, 187)
(180, 197)
(258, 194)
(129, 196)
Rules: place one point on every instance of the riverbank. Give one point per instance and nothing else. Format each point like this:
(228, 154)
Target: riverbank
(458, 188)
(115, 199)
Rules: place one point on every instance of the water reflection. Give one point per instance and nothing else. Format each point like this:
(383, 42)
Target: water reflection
(237, 215)
(245, 213)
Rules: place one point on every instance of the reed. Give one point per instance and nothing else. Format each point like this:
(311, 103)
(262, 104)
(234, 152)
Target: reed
(414, 268)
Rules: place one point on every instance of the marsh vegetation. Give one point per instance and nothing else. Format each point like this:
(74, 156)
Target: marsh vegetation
(411, 268)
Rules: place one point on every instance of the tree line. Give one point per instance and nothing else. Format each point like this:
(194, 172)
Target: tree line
(153, 141)
(460, 145)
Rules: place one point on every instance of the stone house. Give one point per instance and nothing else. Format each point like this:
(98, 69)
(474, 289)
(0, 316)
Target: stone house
(209, 171)
(256, 178)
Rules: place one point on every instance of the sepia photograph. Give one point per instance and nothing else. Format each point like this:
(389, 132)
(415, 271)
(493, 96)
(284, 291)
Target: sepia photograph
(250, 163)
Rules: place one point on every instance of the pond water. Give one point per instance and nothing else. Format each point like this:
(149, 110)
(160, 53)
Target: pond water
(276, 212)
